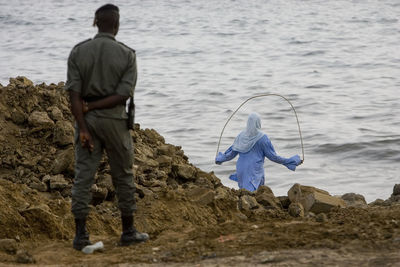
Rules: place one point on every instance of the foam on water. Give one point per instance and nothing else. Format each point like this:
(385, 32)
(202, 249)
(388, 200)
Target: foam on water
(337, 61)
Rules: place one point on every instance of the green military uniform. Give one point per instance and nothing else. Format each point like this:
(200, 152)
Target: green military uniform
(98, 68)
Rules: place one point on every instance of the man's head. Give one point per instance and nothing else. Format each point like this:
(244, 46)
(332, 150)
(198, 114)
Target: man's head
(107, 19)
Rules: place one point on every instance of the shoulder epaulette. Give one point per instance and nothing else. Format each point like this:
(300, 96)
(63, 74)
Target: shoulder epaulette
(133, 50)
(78, 44)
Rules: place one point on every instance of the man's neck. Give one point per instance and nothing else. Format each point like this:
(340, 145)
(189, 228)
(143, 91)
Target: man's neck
(107, 31)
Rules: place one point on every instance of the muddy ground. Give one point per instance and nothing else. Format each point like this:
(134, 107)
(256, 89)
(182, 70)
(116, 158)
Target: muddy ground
(192, 219)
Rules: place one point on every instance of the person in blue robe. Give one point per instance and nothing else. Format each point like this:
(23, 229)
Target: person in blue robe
(253, 146)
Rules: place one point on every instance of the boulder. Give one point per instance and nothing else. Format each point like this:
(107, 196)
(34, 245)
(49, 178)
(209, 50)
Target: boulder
(396, 190)
(38, 185)
(63, 161)
(40, 119)
(296, 210)
(105, 181)
(285, 201)
(201, 195)
(266, 198)
(186, 172)
(56, 182)
(321, 218)
(55, 113)
(21, 82)
(248, 203)
(63, 133)
(17, 116)
(354, 200)
(166, 149)
(99, 194)
(314, 199)
(164, 161)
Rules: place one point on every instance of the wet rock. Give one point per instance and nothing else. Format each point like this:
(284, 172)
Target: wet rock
(285, 201)
(25, 257)
(166, 149)
(105, 180)
(354, 200)
(244, 192)
(55, 182)
(266, 198)
(20, 82)
(17, 116)
(248, 203)
(9, 246)
(164, 161)
(99, 194)
(321, 218)
(186, 172)
(153, 136)
(296, 210)
(394, 198)
(378, 202)
(63, 133)
(201, 195)
(143, 191)
(39, 186)
(55, 113)
(40, 119)
(396, 190)
(314, 199)
(63, 161)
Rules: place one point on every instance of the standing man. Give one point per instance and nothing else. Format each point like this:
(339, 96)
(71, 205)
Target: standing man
(101, 77)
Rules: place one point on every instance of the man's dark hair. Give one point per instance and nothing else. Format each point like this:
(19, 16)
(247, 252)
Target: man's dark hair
(106, 17)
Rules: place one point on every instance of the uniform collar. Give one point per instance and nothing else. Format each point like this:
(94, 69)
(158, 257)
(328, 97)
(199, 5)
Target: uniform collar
(105, 34)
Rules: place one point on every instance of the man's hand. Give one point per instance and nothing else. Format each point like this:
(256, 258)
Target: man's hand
(86, 140)
(85, 107)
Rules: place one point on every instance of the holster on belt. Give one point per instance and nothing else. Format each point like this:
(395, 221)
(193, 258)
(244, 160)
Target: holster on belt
(131, 114)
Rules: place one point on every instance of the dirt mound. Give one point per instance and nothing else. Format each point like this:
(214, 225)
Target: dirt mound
(188, 213)
(37, 133)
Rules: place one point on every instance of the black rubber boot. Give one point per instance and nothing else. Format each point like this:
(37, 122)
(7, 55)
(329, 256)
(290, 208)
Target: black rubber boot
(81, 239)
(129, 234)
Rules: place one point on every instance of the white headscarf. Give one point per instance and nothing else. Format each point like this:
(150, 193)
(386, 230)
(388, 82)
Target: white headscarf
(248, 137)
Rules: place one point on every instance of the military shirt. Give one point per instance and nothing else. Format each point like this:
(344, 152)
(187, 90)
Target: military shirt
(101, 67)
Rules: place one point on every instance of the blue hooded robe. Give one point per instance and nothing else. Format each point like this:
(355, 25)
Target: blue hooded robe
(253, 146)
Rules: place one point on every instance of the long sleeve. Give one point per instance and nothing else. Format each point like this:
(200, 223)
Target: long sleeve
(269, 152)
(228, 155)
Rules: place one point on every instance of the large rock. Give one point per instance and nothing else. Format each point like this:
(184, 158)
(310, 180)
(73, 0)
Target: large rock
(63, 133)
(55, 113)
(314, 199)
(63, 161)
(296, 209)
(166, 149)
(201, 195)
(354, 200)
(40, 119)
(21, 82)
(248, 203)
(183, 171)
(396, 189)
(56, 182)
(266, 198)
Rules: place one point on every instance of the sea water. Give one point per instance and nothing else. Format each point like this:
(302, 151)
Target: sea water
(338, 62)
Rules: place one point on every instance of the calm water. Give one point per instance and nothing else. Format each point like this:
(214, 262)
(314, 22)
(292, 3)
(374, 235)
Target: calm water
(337, 61)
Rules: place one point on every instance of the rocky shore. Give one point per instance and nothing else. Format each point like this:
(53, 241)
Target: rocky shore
(190, 216)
